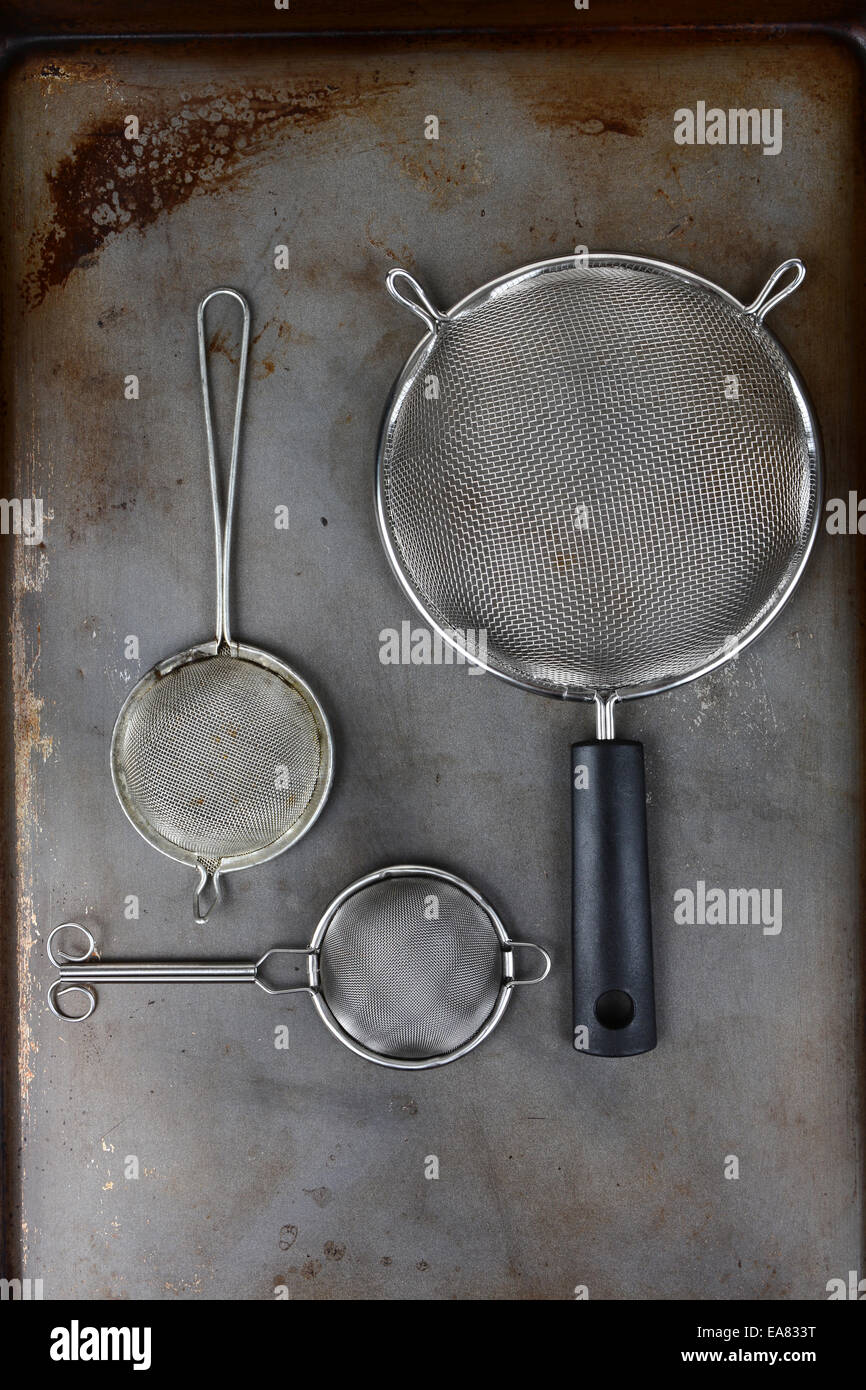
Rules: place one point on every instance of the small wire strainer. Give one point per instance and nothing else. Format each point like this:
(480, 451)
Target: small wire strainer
(409, 967)
(222, 755)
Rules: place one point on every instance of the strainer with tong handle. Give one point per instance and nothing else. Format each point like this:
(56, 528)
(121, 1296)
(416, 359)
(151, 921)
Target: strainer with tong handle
(599, 477)
(222, 756)
(409, 967)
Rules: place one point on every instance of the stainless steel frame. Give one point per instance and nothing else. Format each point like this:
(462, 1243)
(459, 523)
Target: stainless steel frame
(207, 892)
(421, 305)
(80, 973)
(326, 774)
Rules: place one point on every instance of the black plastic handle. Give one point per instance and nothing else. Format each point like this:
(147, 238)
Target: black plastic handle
(614, 1005)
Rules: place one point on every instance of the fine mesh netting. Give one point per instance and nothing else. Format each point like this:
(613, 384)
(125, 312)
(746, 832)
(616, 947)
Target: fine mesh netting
(611, 477)
(221, 756)
(411, 966)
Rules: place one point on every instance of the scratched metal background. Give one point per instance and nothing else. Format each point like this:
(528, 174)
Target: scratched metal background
(306, 1168)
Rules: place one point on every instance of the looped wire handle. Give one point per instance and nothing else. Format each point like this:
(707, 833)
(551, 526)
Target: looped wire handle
(59, 957)
(531, 946)
(79, 973)
(417, 302)
(60, 987)
(223, 528)
(766, 300)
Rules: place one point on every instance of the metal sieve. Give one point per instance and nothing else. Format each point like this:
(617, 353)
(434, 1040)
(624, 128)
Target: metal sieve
(221, 756)
(607, 470)
(409, 967)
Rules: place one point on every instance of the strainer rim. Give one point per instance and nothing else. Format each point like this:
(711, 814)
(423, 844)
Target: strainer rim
(477, 299)
(500, 1004)
(310, 814)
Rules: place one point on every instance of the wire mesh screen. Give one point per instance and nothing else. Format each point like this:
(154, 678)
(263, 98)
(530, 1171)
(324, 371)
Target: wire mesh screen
(411, 966)
(605, 470)
(221, 756)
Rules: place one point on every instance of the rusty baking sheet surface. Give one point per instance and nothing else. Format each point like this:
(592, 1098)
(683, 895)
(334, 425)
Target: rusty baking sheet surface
(302, 1169)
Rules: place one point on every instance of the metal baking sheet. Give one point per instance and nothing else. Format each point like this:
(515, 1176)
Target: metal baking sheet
(303, 1172)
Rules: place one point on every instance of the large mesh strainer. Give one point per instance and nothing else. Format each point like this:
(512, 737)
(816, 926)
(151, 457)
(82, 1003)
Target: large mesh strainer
(409, 967)
(221, 756)
(599, 477)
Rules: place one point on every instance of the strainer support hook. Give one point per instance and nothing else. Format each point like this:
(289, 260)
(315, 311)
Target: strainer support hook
(539, 950)
(766, 300)
(418, 301)
(208, 893)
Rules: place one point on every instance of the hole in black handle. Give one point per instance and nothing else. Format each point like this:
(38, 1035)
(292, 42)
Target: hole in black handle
(614, 1009)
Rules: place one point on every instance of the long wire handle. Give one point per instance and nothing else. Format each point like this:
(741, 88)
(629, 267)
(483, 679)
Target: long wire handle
(223, 529)
(79, 973)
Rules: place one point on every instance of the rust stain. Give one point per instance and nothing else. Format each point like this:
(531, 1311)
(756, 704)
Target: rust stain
(77, 70)
(445, 179)
(322, 1196)
(288, 1236)
(404, 256)
(180, 1287)
(582, 116)
(31, 744)
(260, 368)
(109, 185)
(287, 333)
(219, 342)
(681, 227)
